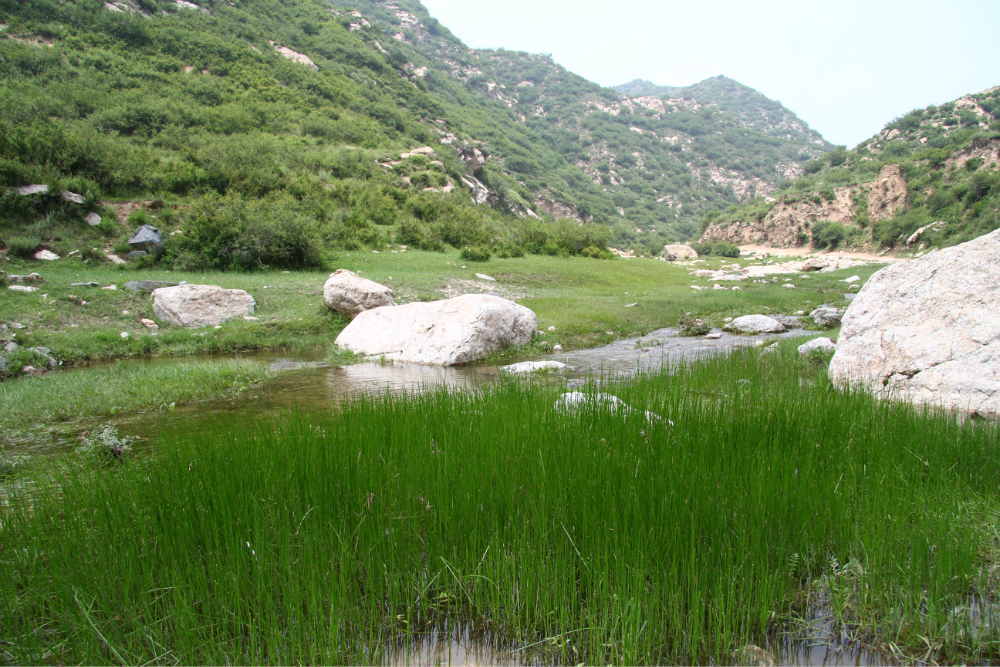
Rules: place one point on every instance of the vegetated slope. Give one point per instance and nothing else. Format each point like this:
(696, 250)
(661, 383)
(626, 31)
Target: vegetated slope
(741, 103)
(929, 178)
(662, 163)
(268, 132)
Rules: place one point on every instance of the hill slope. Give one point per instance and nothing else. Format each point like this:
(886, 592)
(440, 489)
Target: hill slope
(929, 178)
(273, 132)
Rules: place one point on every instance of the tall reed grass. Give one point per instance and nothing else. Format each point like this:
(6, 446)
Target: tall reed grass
(592, 536)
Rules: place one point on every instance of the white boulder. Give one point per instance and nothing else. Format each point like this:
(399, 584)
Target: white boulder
(679, 251)
(926, 330)
(444, 333)
(824, 344)
(350, 294)
(755, 324)
(195, 306)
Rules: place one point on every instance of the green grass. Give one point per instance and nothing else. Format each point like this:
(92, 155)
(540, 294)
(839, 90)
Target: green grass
(120, 387)
(583, 298)
(325, 537)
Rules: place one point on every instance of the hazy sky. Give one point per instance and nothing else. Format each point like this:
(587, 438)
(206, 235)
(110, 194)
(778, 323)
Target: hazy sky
(845, 67)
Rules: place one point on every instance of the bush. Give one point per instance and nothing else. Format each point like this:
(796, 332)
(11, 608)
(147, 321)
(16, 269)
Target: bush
(827, 234)
(594, 252)
(106, 447)
(691, 326)
(725, 249)
(702, 248)
(475, 254)
(23, 247)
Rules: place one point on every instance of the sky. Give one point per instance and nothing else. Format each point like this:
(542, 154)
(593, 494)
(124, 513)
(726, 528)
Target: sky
(845, 67)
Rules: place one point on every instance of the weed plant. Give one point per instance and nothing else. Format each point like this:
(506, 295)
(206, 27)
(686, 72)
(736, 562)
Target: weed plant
(597, 537)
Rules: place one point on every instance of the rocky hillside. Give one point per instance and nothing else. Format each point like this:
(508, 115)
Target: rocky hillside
(929, 178)
(272, 134)
(749, 108)
(661, 163)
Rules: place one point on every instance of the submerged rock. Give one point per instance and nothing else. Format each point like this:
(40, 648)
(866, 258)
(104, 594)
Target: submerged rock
(926, 330)
(348, 293)
(195, 306)
(444, 333)
(755, 324)
(533, 366)
(574, 401)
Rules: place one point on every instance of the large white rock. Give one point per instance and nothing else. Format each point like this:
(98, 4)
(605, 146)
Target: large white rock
(195, 306)
(927, 330)
(444, 333)
(350, 294)
(755, 324)
(679, 251)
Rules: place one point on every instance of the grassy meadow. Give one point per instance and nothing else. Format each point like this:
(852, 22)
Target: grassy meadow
(585, 537)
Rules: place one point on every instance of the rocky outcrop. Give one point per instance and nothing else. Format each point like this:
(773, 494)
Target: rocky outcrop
(348, 293)
(755, 324)
(473, 158)
(481, 194)
(443, 333)
(195, 306)
(926, 330)
(557, 209)
(679, 251)
(295, 57)
(887, 195)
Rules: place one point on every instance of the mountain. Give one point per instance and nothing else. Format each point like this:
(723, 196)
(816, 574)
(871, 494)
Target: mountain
(265, 133)
(751, 109)
(930, 178)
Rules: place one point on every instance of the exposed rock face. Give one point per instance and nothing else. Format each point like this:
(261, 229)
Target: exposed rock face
(926, 330)
(348, 293)
(295, 57)
(755, 324)
(194, 306)
(473, 159)
(679, 251)
(444, 333)
(558, 210)
(480, 193)
(888, 194)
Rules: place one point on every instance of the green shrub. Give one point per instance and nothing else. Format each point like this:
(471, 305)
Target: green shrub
(475, 254)
(702, 248)
(23, 247)
(827, 234)
(594, 252)
(725, 249)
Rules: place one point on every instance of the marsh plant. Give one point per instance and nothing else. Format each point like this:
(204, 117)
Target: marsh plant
(106, 446)
(330, 536)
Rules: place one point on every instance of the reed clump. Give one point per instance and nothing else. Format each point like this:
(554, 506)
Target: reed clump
(596, 536)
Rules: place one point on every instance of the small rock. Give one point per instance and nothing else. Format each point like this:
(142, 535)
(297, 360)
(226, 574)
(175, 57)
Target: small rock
(46, 255)
(72, 197)
(631, 305)
(799, 312)
(124, 334)
(147, 285)
(136, 254)
(736, 288)
(697, 287)
(149, 324)
(111, 287)
(852, 279)
(552, 329)
(790, 286)
(115, 259)
(714, 335)
(22, 288)
(11, 347)
(17, 326)
(753, 656)
(30, 279)
(92, 219)
(754, 324)
(557, 348)
(147, 238)
(483, 276)
(728, 320)
(35, 189)
(825, 316)
(3, 365)
(824, 344)
(90, 284)
(251, 318)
